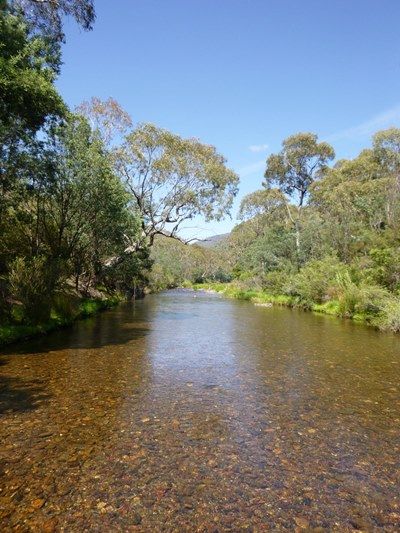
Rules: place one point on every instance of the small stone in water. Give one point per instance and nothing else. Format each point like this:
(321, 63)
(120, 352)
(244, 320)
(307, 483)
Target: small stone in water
(38, 503)
(49, 526)
(302, 522)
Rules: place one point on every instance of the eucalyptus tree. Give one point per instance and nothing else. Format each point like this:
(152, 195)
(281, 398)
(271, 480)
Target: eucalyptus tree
(173, 180)
(262, 202)
(107, 118)
(355, 202)
(47, 15)
(295, 168)
(386, 146)
(170, 180)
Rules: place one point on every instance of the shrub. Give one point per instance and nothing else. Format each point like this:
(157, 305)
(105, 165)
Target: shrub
(275, 282)
(360, 299)
(372, 299)
(31, 283)
(389, 318)
(348, 294)
(312, 283)
(66, 306)
(385, 267)
(253, 283)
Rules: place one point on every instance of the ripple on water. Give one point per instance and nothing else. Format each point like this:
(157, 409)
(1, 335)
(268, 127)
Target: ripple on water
(201, 414)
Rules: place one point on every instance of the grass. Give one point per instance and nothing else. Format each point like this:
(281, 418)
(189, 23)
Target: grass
(87, 307)
(331, 307)
(252, 296)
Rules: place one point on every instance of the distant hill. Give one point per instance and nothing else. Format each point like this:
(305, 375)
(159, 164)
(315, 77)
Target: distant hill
(212, 242)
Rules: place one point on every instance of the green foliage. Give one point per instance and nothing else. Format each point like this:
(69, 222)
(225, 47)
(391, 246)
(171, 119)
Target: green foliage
(31, 283)
(301, 161)
(173, 180)
(176, 264)
(263, 202)
(389, 318)
(315, 280)
(131, 275)
(384, 267)
(276, 282)
(331, 244)
(363, 299)
(66, 305)
(47, 15)
(28, 67)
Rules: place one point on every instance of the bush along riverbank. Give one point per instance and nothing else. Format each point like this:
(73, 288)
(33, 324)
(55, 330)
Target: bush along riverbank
(65, 311)
(369, 305)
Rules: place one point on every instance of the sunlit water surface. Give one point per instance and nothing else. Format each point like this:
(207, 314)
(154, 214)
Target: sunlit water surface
(190, 412)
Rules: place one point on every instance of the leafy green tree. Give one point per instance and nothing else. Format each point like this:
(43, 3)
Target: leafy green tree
(261, 202)
(107, 118)
(386, 148)
(173, 180)
(353, 200)
(47, 15)
(29, 64)
(29, 100)
(86, 215)
(28, 67)
(75, 213)
(301, 161)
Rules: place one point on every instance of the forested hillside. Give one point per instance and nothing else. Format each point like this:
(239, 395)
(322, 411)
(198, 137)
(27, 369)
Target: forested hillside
(317, 234)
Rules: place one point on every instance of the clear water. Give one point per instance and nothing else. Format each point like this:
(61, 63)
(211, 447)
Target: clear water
(190, 412)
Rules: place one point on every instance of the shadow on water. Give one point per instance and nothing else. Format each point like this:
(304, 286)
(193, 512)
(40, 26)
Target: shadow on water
(18, 395)
(190, 412)
(114, 327)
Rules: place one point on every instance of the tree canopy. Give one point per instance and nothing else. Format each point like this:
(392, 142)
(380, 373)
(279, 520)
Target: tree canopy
(28, 68)
(301, 161)
(173, 180)
(47, 15)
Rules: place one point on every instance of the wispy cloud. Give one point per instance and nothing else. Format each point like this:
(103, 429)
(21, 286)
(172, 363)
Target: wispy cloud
(258, 148)
(251, 169)
(386, 119)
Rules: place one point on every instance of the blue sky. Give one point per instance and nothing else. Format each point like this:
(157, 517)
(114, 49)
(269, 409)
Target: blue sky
(243, 74)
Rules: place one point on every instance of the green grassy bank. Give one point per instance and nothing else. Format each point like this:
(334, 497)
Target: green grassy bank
(385, 317)
(84, 308)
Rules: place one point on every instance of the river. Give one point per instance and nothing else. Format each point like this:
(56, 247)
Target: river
(191, 412)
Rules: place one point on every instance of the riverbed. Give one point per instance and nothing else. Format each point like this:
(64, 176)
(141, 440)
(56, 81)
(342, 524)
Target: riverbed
(191, 412)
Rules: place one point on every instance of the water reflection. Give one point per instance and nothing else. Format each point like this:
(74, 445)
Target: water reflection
(189, 412)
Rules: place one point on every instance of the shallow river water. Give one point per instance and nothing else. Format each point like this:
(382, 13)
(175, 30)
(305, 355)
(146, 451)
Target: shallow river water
(189, 412)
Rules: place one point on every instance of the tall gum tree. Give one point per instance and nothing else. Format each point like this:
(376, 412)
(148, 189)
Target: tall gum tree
(386, 149)
(171, 180)
(47, 15)
(262, 207)
(107, 118)
(294, 169)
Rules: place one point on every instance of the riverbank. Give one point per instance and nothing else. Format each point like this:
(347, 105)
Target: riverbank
(386, 318)
(10, 333)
